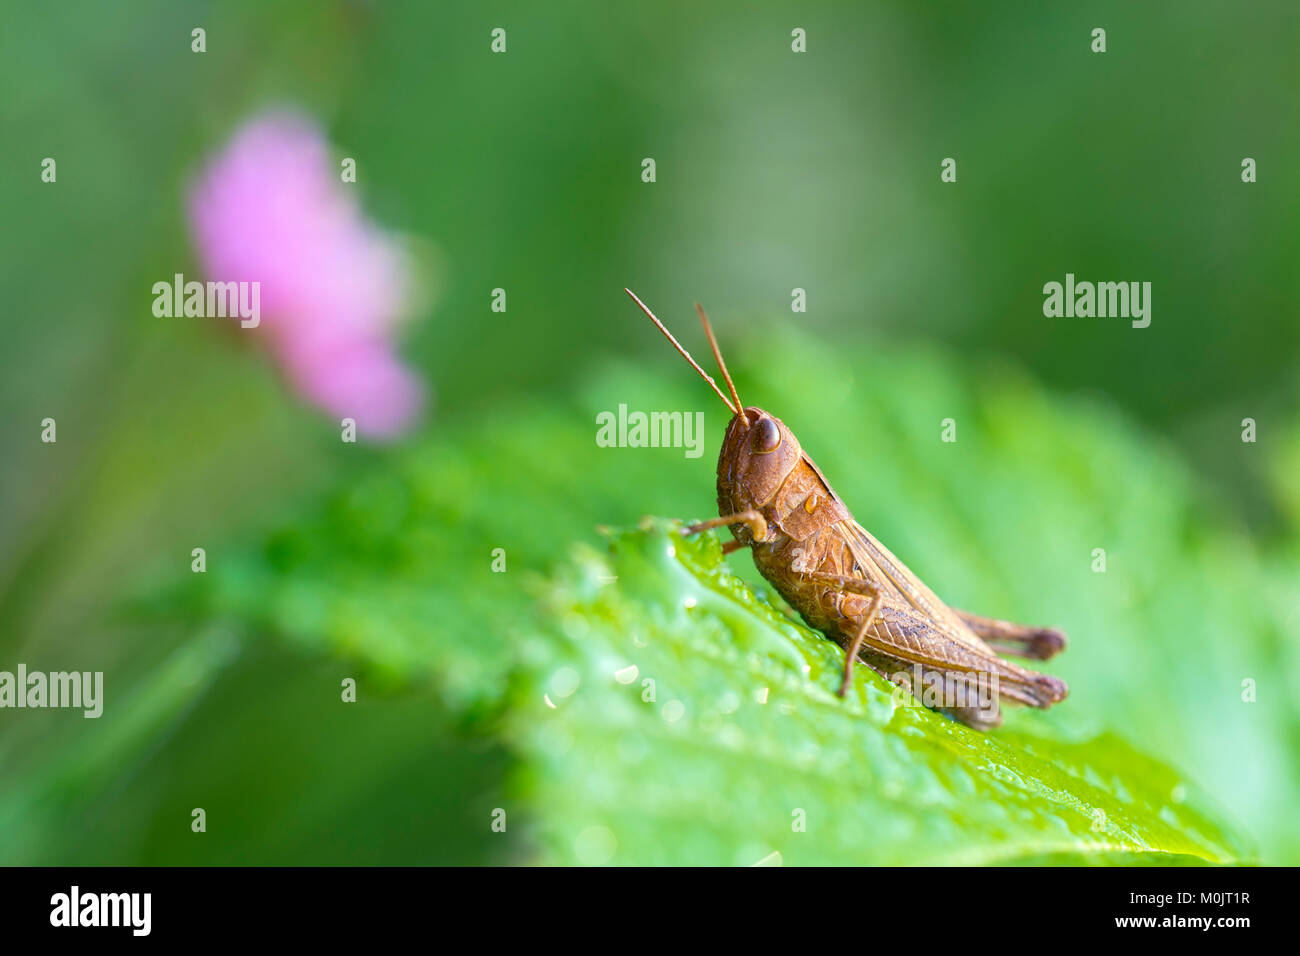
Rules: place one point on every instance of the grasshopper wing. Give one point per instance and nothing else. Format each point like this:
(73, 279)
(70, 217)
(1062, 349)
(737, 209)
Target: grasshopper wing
(874, 560)
(919, 628)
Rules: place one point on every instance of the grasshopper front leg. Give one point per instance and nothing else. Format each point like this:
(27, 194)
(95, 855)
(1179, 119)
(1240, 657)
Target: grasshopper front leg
(867, 589)
(1037, 643)
(755, 521)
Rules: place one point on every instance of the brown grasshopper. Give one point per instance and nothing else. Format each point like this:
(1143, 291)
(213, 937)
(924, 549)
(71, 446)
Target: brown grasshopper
(846, 584)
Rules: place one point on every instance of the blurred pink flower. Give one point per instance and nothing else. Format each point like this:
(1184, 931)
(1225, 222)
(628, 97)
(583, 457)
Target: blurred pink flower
(271, 208)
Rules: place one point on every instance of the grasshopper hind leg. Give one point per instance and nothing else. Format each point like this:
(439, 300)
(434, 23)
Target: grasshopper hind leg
(972, 706)
(1036, 643)
(963, 701)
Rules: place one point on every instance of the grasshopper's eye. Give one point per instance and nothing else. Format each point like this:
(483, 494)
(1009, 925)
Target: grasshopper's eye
(767, 437)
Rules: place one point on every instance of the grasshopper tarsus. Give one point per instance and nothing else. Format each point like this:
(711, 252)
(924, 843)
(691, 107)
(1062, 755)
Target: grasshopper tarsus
(1042, 644)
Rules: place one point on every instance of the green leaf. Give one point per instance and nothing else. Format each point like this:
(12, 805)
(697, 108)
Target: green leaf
(672, 716)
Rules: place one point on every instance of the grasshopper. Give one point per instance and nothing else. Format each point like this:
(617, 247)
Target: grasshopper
(847, 585)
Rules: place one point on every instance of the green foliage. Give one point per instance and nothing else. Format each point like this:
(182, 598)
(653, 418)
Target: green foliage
(394, 575)
(673, 717)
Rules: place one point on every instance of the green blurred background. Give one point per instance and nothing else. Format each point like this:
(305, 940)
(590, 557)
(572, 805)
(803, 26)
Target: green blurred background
(774, 171)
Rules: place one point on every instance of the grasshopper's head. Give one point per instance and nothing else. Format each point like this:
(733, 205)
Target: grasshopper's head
(757, 454)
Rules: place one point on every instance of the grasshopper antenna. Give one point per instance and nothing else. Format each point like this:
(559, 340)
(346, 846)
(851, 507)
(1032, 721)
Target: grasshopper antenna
(735, 409)
(717, 354)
